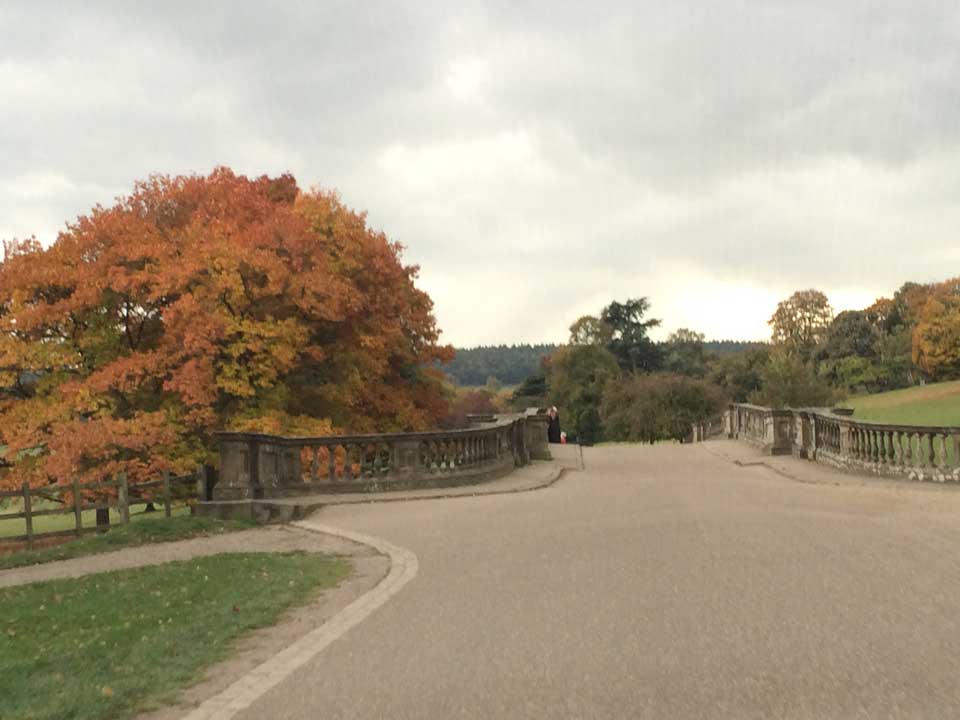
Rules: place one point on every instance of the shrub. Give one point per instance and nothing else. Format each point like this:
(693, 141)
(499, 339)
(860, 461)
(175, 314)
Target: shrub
(659, 406)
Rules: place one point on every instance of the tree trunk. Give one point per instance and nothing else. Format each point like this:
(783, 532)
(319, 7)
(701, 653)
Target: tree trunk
(103, 519)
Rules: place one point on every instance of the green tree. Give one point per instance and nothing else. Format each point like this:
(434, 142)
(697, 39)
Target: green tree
(847, 357)
(531, 393)
(590, 330)
(894, 361)
(850, 334)
(801, 321)
(739, 374)
(657, 406)
(576, 377)
(684, 354)
(786, 381)
(852, 374)
(629, 342)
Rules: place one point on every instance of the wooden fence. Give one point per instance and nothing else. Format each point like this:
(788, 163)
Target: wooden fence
(116, 494)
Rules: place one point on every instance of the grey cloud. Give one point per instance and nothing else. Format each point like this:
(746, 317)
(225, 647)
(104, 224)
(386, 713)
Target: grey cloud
(777, 144)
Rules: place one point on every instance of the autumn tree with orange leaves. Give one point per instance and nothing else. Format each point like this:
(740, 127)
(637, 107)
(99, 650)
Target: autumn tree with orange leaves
(936, 336)
(206, 303)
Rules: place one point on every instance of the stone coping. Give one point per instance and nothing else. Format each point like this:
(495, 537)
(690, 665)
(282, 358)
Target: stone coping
(501, 422)
(828, 414)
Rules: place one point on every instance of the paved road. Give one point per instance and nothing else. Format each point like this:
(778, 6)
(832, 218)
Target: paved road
(661, 582)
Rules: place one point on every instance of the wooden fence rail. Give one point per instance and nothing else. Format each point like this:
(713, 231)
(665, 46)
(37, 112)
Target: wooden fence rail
(116, 494)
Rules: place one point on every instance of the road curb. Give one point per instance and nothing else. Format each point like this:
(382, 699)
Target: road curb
(244, 692)
(558, 472)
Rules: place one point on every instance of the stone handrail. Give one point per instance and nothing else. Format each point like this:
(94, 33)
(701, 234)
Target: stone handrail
(918, 452)
(257, 466)
(768, 428)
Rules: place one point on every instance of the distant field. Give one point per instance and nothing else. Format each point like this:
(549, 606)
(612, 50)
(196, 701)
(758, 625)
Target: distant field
(937, 404)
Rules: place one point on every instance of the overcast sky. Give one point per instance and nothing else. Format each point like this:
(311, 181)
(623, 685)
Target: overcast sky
(537, 160)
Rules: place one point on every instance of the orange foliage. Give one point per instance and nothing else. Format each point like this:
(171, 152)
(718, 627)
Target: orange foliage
(936, 336)
(205, 303)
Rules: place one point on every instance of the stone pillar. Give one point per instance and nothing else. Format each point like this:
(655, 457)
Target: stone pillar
(238, 466)
(536, 424)
(778, 432)
(520, 455)
(278, 467)
(802, 435)
(406, 458)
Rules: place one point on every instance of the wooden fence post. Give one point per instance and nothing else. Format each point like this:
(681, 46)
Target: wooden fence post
(123, 499)
(166, 492)
(28, 514)
(77, 506)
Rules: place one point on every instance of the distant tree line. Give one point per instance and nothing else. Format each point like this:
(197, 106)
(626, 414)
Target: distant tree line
(504, 364)
(612, 382)
(727, 347)
(512, 364)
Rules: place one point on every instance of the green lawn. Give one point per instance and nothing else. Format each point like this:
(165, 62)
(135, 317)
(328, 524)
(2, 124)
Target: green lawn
(936, 404)
(111, 645)
(147, 528)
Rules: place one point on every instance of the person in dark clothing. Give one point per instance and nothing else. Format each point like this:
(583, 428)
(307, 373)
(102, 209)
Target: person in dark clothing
(553, 428)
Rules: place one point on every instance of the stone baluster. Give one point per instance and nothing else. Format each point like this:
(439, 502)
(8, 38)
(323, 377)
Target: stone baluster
(942, 438)
(363, 464)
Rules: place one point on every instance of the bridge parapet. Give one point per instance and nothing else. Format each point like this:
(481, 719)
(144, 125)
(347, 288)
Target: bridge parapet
(771, 430)
(255, 466)
(835, 438)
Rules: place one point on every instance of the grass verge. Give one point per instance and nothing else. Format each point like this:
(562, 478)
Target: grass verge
(107, 646)
(136, 533)
(935, 404)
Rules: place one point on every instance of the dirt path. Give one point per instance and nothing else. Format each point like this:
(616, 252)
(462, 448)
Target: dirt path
(266, 539)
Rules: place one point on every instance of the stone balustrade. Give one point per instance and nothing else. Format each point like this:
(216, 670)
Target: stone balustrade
(822, 435)
(771, 430)
(254, 466)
